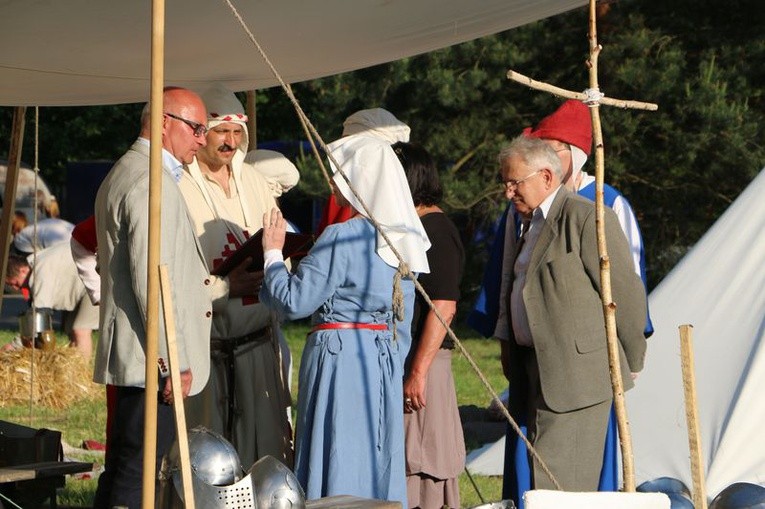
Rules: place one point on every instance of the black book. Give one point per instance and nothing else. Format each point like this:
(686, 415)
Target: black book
(295, 244)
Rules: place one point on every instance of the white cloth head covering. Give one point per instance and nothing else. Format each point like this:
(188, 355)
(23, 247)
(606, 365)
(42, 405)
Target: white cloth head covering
(377, 122)
(578, 158)
(222, 107)
(279, 171)
(376, 174)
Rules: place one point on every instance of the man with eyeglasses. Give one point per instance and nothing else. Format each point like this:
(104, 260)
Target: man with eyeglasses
(551, 326)
(247, 398)
(122, 220)
(568, 131)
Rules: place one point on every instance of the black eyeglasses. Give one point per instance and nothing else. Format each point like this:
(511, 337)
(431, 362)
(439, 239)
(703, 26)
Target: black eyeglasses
(196, 127)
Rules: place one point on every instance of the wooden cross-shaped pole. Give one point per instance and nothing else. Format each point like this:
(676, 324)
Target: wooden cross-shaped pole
(594, 98)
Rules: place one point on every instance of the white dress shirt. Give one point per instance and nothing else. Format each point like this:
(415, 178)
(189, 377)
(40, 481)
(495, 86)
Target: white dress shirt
(518, 316)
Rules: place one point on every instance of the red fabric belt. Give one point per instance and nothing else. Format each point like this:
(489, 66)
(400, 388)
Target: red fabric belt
(349, 325)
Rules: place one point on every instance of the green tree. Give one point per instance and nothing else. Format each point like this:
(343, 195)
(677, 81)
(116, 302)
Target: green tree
(68, 134)
(680, 167)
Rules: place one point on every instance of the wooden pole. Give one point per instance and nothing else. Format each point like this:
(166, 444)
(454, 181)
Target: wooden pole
(152, 283)
(175, 376)
(692, 417)
(11, 185)
(609, 307)
(252, 120)
(579, 96)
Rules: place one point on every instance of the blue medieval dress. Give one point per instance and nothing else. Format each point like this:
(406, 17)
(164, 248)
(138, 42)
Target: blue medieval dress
(350, 434)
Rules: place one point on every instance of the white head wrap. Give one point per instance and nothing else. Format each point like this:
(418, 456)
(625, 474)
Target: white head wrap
(379, 123)
(578, 158)
(376, 174)
(223, 106)
(279, 171)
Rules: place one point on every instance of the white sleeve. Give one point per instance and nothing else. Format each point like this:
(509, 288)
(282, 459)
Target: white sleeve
(86, 263)
(271, 257)
(629, 224)
(278, 171)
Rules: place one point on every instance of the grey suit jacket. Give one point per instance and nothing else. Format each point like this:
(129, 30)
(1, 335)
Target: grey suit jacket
(562, 299)
(122, 224)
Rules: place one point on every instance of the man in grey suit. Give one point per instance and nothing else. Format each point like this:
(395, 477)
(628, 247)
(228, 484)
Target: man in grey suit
(551, 325)
(122, 221)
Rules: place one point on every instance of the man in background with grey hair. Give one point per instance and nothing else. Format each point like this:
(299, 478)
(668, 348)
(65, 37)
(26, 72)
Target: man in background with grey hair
(551, 325)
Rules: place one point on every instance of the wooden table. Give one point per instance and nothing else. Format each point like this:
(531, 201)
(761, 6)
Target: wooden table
(45, 476)
(349, 502)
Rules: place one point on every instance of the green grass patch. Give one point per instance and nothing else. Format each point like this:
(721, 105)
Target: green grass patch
(87, 420)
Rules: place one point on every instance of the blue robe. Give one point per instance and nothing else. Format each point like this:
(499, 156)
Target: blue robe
(483, 318)
(350, 431)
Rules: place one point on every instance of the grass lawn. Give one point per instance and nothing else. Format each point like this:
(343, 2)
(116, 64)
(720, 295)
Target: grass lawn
(86, 420)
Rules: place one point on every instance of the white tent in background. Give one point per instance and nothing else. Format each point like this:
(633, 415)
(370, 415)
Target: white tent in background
(85, 52)
(719, 288)
(25, 192)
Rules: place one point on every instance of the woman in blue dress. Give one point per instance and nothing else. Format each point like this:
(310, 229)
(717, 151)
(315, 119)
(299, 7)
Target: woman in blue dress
(350, 436)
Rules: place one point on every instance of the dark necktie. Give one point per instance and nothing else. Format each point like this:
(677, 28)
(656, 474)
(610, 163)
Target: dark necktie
(522, 238)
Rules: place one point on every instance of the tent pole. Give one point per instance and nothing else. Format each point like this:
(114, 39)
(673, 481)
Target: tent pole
(692, 417)
(11, 184)
(252, 121)
(152, 284)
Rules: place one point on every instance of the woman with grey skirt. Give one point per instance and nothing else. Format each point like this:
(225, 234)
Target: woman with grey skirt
(435, 447)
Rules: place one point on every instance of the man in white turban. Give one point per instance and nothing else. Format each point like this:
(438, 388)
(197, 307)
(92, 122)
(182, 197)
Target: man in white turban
(247, 397)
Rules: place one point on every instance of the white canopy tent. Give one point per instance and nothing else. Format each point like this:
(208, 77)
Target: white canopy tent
(81, 52)
(718, 287)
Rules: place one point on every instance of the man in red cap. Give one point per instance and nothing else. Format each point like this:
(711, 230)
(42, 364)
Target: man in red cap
(569, 132)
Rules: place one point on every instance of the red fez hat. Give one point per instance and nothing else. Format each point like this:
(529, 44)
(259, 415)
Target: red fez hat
(571, 123)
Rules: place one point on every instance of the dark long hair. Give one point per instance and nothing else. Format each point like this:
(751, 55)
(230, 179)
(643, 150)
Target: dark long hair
(421, 173)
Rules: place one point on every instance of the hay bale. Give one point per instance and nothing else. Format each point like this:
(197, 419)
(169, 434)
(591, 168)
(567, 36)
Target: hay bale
(58, 378)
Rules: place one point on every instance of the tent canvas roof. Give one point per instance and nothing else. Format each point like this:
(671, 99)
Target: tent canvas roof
(81, 52)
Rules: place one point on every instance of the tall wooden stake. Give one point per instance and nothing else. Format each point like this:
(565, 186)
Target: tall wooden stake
(609, 307)
(11, 184)
(692, 417)
(152, 284)
(175, 377)
(594, 99)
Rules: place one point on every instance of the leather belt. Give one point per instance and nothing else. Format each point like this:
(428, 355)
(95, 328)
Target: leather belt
(349, 325)
(225, 344)
(227, 348)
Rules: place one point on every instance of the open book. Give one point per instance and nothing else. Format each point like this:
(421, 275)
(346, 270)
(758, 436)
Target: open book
(294, 244)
